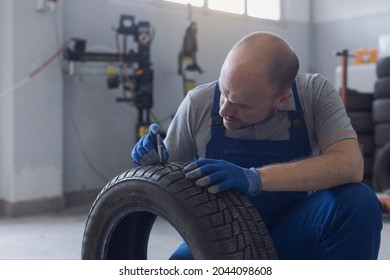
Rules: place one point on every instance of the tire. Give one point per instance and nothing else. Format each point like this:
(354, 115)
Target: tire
(362, 122)
(383, 67)
(367, 144)
(382, 134)
(368, 181)
(368, 165)
(382, 169)
(358, 101)
(381, 110)
(382, 88)
(221, 226)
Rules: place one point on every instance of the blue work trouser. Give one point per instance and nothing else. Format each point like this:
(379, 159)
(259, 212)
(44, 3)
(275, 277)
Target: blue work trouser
(344, 222)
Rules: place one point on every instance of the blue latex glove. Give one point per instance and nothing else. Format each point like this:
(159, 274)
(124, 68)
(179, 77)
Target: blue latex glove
(221, 175)
(145, 151)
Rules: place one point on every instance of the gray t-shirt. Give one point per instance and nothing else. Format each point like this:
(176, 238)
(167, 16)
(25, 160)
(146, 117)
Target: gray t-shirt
(324, 112)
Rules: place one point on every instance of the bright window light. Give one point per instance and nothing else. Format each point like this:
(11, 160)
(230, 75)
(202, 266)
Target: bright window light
(267, 9)
(195, 3)
(230, 6)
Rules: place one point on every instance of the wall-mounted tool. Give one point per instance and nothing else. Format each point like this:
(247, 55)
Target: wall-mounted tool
(128, 68)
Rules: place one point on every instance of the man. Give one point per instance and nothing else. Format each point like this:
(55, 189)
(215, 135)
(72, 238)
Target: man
(285, 140)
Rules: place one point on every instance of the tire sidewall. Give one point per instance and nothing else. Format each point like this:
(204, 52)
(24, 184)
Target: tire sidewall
(381, 110)
(382, 88)
(383, 67)
(123, 200)
(381, 171)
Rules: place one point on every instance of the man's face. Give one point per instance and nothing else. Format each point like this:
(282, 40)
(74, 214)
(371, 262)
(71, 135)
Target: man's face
(242, 106)
(248, 96)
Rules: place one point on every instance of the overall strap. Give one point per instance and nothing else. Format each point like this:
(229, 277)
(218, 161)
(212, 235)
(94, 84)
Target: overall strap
(296, 117)
(217, 128)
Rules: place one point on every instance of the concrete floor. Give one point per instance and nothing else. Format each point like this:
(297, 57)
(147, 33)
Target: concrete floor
(59, 236)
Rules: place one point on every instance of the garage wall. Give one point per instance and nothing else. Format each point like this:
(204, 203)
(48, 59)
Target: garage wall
(31, 115)
(105, 128)
(346, 24)
(6, 74)
(63, 137)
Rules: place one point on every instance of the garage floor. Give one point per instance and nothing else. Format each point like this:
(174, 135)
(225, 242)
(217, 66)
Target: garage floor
(59, 236)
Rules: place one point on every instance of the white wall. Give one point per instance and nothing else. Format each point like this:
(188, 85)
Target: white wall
(297, 10)
(6, 102)
(32, 115)
(332, 10)
(347, 25)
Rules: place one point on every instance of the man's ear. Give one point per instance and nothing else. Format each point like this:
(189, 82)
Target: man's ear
(281, 100)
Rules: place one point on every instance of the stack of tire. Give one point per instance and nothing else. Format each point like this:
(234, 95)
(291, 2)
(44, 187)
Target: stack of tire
(359, 109)
(381, 119)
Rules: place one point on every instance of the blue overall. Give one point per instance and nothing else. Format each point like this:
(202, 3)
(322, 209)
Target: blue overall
(343, 222)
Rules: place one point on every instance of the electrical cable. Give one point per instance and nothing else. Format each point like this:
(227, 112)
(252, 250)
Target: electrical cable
(163, 120)
(34, 72)
(166, 118)
(73, 119)
(56, 28)
(59, 51)
(83, 150)
(13, 88)
(156, 120)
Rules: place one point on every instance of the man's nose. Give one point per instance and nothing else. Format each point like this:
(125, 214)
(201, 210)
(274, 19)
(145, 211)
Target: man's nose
(226, 109)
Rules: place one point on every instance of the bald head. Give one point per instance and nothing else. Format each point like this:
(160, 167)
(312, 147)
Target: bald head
(263, 57)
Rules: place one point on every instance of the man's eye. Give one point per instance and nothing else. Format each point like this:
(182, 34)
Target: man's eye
(245, 106)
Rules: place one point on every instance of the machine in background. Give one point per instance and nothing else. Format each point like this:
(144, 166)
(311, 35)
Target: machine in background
(130, 69)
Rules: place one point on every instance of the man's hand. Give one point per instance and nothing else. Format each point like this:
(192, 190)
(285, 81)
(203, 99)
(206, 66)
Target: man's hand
(146, 150)
(221, 175)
